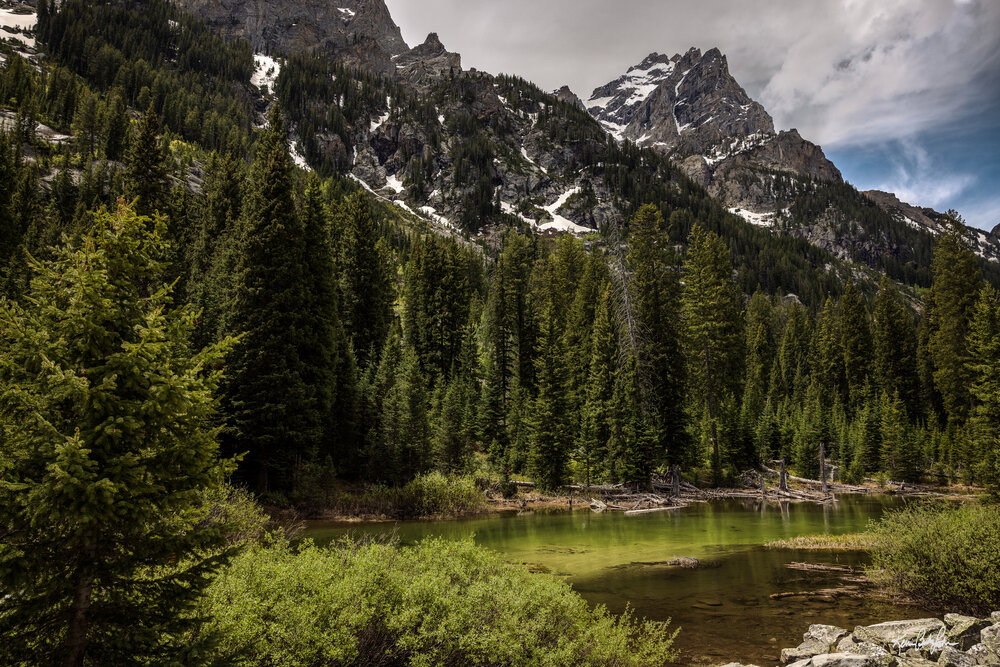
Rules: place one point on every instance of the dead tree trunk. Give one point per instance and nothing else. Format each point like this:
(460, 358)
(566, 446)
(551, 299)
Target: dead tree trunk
(675, 480)
(822, 467)
(783, 476)
(763, 488)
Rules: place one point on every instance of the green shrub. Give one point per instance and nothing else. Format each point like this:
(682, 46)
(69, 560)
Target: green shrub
(235, 508)
(438, 603)
(432, 494)
(946, 558)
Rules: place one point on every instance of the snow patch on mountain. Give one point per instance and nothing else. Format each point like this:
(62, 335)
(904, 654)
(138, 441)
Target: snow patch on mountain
(559, 223)
(298, 158)
(380, 121)
(20, 23)
(758, 219)
(393, 183)
(265, 72)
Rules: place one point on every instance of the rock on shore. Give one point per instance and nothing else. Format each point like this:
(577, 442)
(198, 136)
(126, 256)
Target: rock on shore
(957, 641)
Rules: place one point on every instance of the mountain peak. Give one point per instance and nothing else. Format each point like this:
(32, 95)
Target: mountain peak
(650, 61)
(431, 46)
(427, 63)
(564, 94)
(688, 102)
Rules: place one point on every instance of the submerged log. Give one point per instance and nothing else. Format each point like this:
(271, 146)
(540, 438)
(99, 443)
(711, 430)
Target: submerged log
(653, 509)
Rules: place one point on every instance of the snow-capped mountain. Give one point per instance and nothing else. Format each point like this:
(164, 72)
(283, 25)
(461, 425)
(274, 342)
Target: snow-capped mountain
(465, 149)
(686, 102)
(690, 105)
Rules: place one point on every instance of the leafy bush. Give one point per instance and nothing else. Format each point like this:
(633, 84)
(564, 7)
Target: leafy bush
(431, 494)
(439, 603)
(947, 558)
(235, 508)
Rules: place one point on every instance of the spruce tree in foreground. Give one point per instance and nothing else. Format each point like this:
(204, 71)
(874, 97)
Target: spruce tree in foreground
(106, 423)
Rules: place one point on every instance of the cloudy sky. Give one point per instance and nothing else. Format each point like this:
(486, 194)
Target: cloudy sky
(903, 95)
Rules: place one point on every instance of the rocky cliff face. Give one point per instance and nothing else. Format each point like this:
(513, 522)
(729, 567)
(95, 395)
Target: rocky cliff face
(564, 94)
(985, 244)
(691, 108)
(688, 104)
(360, 33)
(427, 64)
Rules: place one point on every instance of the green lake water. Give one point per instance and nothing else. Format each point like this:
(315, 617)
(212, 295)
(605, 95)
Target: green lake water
(725, 611)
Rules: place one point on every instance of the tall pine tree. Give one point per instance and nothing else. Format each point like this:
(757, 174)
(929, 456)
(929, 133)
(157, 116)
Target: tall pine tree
(107, 420)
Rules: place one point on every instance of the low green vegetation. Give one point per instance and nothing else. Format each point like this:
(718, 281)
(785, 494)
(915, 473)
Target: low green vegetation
(848, 542)
(945, 557)
(432, 494)
(438, 603)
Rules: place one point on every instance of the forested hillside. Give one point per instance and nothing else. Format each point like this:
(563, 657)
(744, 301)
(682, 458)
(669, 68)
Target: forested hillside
(374, 346)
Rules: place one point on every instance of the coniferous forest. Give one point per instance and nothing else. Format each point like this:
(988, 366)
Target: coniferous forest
(184, 304)
(373, 348)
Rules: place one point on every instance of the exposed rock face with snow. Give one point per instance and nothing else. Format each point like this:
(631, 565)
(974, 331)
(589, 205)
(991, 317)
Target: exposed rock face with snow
(358, 32)
(925, 219)
(691, 108)
(427, 64)
(686, 103)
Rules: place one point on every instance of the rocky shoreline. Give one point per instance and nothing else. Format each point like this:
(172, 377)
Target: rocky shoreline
(956, 641)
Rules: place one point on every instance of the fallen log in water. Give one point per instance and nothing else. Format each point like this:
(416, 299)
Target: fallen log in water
(653, 509)
(821, 567)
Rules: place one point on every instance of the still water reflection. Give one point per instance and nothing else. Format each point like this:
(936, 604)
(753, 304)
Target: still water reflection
(725, 609)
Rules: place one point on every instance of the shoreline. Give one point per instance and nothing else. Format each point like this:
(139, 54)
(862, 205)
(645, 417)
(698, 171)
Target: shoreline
(528, 501)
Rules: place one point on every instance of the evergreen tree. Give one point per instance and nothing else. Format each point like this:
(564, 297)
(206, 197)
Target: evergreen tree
(551, 436)
(268, 401)
(984, 347)
(106, 415)
(438, 284)
(855, 339)
(400, 443)
(655, 296)
(895, 347)
(212, 252)
(322, 333)
(632, 434)
(793, 365)
(813, 429)
(951, 301)
(899, 457)
(866, 437)
(711, 316)
(452, 440)
(86, 123)
(146, 166)
(508, 343)
(828, 354)
(114, 124)
(595, 431)
(366, 285)
(759, 355)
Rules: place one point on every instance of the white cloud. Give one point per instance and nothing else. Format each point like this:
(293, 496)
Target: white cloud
(916, 179)
(841, 71)
(883, 70)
